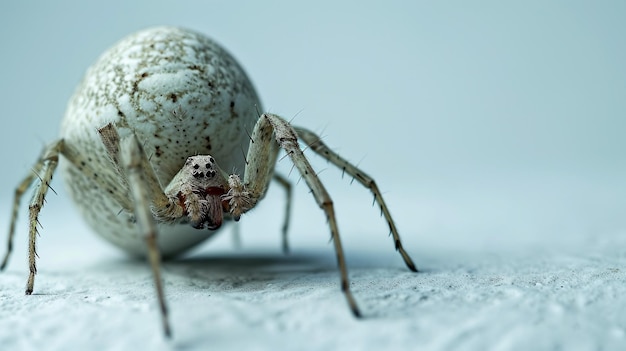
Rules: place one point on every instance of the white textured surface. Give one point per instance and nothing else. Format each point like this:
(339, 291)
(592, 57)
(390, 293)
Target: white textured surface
(514, 293)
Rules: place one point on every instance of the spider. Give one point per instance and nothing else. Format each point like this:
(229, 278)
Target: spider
(146, 140)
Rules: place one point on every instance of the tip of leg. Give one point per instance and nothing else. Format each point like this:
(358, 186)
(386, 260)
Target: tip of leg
(408, 260)
(167, 332)
(352, 303)
(28, 292)
(5, 261)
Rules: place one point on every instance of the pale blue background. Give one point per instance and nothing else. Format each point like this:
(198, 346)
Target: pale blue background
(488, 123)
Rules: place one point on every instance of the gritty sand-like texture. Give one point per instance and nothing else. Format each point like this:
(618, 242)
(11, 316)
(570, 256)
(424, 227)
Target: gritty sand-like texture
(550, 293)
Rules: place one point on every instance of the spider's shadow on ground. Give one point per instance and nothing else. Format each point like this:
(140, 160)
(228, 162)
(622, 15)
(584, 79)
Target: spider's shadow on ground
(260, 269)
(254, 262)
(296, 274)
(252, 270)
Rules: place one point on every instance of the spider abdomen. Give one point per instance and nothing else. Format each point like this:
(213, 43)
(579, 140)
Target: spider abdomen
(181, 94)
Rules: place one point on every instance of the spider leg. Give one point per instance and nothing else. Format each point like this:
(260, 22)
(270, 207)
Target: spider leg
(316, 144)
(19, 192)
(145, 191)
(288, 193)
(49, 161)
(44, 169)
(282, 181)
(111, 140)
(262, 158)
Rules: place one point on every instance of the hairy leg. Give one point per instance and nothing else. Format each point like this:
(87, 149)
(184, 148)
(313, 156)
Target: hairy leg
(316, 144)
(261, 158)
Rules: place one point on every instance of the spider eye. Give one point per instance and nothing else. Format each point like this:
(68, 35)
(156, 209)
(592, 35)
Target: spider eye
(196, 166)
(212, 161)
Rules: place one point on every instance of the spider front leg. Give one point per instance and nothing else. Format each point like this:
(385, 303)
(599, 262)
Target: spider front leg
(242, 196)
(194, 195)
(316, 144)
(129, 159)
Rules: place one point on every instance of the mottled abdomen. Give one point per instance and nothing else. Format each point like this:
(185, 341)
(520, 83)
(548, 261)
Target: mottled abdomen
(182, 95)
